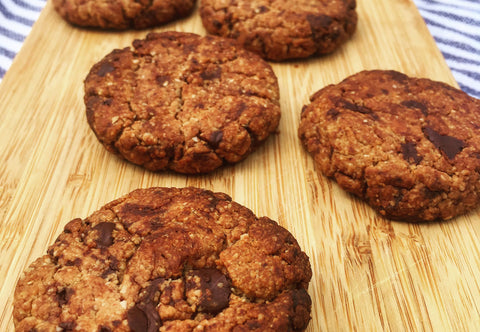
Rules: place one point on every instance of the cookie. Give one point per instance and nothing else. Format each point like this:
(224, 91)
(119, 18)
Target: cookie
(178, 101)
(167, 259)
(410, 147)
(279, 29)
(120, 15)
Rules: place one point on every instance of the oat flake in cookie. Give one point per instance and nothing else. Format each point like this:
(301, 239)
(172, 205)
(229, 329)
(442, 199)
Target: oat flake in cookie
(408, 146)
(178, 101)
(167, 259)
(122, 14)
(282, 29)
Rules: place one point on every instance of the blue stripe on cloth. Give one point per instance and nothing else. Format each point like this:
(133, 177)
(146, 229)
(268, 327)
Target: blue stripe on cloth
(469, 4)
(468, 89)
(7, 53)
(463, 46)
(11, 16)
(434, 24)
(458, 59)
(26, 5)
(11, 34)
(14, 27)
(454, 17)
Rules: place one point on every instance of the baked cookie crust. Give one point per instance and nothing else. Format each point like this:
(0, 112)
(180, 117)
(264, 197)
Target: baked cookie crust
(167, 259)
(410, 147)
(281, 29)
(125, 14)
(178, 101)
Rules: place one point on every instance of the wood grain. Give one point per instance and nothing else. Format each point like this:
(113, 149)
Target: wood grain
(370, 274)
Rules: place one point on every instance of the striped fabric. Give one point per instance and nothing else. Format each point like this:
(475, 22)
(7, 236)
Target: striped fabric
(16, 20)
(455, 25)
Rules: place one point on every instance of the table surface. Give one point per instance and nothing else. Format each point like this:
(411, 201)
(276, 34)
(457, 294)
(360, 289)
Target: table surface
(369, 274)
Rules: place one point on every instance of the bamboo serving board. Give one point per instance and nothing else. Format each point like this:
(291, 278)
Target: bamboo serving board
(369, 274)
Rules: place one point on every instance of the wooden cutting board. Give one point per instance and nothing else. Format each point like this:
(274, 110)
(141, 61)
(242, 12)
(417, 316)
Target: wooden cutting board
(369, 274)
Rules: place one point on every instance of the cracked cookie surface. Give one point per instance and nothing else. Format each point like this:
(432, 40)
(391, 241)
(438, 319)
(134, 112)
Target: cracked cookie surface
(167, 259)
(408, 146)
(279, 29)
(120, 15)
(181, 102)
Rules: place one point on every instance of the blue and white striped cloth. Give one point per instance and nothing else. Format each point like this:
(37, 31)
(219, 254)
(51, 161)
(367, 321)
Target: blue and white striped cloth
(16, 20)
(455, 25)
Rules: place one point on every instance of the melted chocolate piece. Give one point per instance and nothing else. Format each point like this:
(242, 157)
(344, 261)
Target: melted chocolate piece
(105, 230)
(449, 145)
(333, 113)
(137, 319)
(214, 287)
(64, 296)
(68, 326)
(417, 105)
(215, 138)
(162, 79)
(358, 108)
(319, 24)
(143, 316)
(105, 68)
(211, 74)
(262, 9)
(112, 267)
(409, 152)
(397, 76)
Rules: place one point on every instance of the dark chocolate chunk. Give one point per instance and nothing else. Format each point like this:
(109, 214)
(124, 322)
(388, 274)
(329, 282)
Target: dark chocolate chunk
(262, 9)
(105, 230)
(105, 68)
(162, 79)
(68, 326)
(318, 24)
(216, 138)
(397, 76)
(211, 74)
(449, 145)
(214, 287)
(358, 108)
(415, 104)
(137, 319)
(409, 152)
(107, 102)
(333, 113)
(64, 295)
(143, 316)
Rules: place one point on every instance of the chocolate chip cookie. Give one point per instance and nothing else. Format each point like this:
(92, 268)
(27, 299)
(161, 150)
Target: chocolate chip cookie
(281, 29)
(167, 259)
(119, 15)
(178, 101)
(408, 146)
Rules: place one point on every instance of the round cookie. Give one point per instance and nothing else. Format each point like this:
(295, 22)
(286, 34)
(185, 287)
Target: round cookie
(279, 29)
(408, 146)
(167, 259)
(120, 15)
(181, 102)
